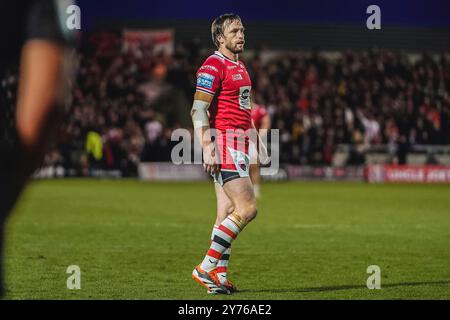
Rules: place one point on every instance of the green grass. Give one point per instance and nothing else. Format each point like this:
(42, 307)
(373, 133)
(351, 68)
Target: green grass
(136, 240)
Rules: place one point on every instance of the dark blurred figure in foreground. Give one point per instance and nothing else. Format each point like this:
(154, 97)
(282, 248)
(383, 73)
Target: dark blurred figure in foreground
(33, 85)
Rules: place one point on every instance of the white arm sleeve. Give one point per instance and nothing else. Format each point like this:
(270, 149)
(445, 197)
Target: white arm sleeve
(199, 114)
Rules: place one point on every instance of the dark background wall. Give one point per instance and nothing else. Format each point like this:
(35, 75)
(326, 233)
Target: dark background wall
(295, 35)
(282, 24)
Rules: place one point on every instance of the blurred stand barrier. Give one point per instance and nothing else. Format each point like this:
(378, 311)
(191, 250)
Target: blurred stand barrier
(167, 171)
(58, 171)
(372, 173)
(372, 163)
(408, 173)
(326, 173)
(384, 173)
(402, 154)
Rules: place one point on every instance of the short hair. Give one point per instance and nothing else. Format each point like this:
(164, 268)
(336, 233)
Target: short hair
(218, 26)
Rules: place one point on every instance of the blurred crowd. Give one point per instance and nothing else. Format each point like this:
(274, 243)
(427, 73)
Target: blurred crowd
(357, 98)
(123, 110)
(128, 100)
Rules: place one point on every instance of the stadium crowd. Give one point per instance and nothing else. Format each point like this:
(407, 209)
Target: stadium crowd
(127, 101)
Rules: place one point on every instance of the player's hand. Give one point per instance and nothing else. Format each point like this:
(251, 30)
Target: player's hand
(210, 159)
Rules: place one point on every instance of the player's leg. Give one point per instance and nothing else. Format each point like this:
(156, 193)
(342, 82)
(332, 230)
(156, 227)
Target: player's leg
(240, 192)
(237, 186)
(224, 204)
(207, 279)
(224, 208)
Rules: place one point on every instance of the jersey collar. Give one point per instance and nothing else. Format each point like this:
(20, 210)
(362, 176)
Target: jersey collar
(221, 55)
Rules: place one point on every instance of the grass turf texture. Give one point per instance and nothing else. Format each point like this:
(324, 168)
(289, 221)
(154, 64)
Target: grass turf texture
(136, 240)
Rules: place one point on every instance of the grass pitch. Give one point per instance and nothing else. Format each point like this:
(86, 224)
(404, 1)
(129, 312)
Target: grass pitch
(136, 240)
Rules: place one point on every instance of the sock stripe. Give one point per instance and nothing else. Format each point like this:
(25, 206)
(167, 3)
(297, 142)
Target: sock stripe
(213, 253)
(221, 241)
(222, 263)
(221, 238)
(230, 224)
(225, 257)
(221, 269)
(227, 231)
(224, 236)
(217, 247)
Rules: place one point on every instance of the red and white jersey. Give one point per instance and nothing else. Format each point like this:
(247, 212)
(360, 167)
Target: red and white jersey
(230, 84)
(258, 113)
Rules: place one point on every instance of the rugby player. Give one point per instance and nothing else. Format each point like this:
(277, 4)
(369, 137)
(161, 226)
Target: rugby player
(33, 47)
(221, 115)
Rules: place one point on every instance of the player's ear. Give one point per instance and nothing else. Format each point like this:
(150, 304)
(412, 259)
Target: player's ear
(221, 39)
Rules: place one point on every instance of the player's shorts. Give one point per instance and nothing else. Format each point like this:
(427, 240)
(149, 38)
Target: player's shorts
(233, 156)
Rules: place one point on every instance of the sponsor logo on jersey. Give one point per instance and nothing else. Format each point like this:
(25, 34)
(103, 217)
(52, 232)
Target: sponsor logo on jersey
(237, 76)
(208, 67)
(232, 67)
(205, 80)
(244, 97)
(245, 94)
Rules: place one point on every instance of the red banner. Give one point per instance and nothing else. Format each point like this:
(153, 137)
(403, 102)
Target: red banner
(408, 174)
(159, 40)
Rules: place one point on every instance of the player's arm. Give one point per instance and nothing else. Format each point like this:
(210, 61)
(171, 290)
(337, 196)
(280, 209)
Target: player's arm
(209, 80)
(40, 92)
(200, 119)
(265, 123)
(44, 76)
(263, 155)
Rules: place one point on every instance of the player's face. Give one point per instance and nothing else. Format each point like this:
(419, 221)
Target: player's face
(234, 38)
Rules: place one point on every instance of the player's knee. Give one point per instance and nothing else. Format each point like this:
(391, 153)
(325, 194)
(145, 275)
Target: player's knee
(223, 213)
(254, 213)
(250, 211)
